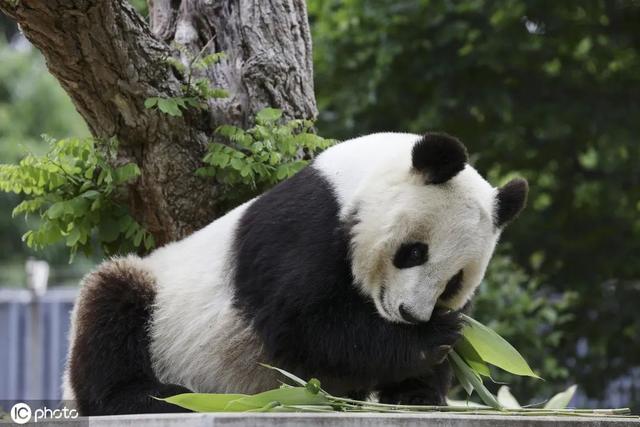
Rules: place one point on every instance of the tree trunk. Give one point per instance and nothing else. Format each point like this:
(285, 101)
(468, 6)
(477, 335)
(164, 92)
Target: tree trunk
(109, 60)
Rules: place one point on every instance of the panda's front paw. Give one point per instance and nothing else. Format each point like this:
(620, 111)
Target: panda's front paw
(415, 391)
(445, 331)
(438, 354)
(430, 398)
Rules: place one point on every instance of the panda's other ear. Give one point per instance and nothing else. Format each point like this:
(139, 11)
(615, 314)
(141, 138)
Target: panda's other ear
(511, 199)
(439, 157)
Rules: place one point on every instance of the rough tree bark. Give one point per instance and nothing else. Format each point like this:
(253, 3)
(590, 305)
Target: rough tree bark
(109, 60)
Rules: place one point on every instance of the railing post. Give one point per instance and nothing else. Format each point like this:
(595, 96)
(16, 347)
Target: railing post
(37, 281)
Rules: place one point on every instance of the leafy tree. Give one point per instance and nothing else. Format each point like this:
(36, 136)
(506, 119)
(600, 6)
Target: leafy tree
(547, 90)
(133, 83)
(31, 103)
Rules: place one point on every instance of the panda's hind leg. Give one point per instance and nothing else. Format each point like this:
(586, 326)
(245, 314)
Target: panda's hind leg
(109, 364)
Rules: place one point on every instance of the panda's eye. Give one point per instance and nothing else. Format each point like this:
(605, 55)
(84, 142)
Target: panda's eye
(411, 255)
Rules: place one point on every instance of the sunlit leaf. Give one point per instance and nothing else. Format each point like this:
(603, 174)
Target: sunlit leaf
(466, 351)
(561, 400)
(507, 399)
(494, 349)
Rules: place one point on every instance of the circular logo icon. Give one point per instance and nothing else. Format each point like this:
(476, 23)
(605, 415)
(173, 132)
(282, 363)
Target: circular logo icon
(21, 413)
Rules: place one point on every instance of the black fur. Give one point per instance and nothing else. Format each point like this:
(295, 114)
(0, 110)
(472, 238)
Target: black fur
(453, 286)
(294, 283)
(110, 366)
(439, 156)
(429, 389)
(411, 255)
(511, 199)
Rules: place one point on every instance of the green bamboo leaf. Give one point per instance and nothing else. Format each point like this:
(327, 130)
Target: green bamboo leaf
(475, 380)
(466, 404)
(289, 375)
(462, 379)
(507, 399)
(561, 400)
(284, 396)
(203, 402)
(471, 357)
(494, 349)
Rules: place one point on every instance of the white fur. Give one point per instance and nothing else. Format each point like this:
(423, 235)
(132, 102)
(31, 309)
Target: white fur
(199, 339)
(373, 176)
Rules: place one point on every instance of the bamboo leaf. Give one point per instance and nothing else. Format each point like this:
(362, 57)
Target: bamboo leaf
(494, 349)
(561, 400)
(284, 396)
(203, 402)
(475, 380)
(462, 379)
(289, 375)
(466, 351)
(507, 399)
(466, 404)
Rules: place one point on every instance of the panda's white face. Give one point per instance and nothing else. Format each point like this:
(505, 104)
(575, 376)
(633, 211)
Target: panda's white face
(416, 244)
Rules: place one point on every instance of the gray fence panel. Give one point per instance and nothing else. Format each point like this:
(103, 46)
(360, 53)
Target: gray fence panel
(33, 343)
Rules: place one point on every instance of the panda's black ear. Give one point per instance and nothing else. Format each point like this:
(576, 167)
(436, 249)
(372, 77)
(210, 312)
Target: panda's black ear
(511, 199)
(439, 157)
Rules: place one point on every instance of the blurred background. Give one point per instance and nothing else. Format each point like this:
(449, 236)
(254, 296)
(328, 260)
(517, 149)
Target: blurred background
(542, 89)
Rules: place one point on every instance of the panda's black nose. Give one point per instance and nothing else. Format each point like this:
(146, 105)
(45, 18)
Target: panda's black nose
(406, 315)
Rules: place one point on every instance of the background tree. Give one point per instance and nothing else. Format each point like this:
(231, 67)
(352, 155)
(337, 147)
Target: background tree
(109, 60)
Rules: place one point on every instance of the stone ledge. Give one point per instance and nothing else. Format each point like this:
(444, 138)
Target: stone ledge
(344, 420)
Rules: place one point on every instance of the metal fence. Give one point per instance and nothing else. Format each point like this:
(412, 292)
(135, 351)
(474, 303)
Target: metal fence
(33, 343)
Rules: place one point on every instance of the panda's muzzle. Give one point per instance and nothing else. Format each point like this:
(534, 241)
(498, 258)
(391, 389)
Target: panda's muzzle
(407, 316)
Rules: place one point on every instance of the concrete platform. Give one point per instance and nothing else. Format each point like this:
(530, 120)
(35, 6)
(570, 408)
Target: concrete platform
(342, 420)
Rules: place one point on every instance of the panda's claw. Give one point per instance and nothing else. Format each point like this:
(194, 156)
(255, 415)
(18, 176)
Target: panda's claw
(441, 353)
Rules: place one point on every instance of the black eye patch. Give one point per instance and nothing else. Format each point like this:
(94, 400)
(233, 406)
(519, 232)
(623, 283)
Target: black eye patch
(411, 255)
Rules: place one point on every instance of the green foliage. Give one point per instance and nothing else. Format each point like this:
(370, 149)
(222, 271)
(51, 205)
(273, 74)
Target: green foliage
(255, 159)
(74, 191)
(173, 106)
(31, 103)
(547, 90)
(196, 91)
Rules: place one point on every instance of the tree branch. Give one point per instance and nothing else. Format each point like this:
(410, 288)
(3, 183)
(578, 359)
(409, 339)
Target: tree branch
(109, 62)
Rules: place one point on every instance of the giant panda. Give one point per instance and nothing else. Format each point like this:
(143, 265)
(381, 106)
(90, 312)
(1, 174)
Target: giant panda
(353, 271)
